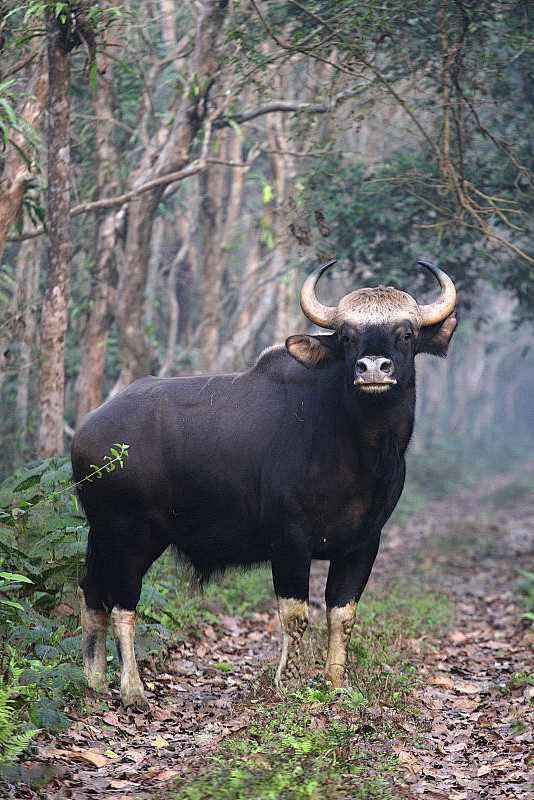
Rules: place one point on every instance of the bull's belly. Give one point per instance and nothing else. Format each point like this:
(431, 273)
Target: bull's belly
(215, 544)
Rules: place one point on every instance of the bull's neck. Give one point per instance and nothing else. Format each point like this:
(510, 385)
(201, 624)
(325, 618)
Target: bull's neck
(370, 421)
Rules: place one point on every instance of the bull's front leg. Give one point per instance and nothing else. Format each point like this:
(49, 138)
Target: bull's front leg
(340, 621)
(294, 621)
(291, 575)
(346, 581)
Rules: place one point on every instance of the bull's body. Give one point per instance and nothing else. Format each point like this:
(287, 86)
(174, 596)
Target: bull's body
(281, 463)
(228, 466)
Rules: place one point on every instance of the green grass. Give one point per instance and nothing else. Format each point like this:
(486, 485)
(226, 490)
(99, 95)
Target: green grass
(382, 671)
(318, 743)
(172, 598)
(515, 492)
(296, 749)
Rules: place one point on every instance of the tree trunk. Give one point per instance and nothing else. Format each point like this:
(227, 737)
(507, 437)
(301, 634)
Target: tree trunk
(54, 318)
(168, 22)
(16, 172)
(211, 191)
(137, 352)
(28, 271)
(88, 387)
(154, 268)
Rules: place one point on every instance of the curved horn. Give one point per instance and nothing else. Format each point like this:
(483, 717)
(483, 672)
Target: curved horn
(313, 309)
(440, 310)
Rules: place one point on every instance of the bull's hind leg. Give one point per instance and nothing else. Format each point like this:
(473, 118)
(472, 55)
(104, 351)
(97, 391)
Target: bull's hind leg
(132, 692)
(94, 634)
(121, 548)
(125, 576)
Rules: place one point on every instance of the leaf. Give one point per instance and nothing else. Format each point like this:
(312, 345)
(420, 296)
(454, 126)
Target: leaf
(91, 756)
(158, 741)
(12, 604)
(408, 761)
(45, 714)
(268, 194)
(235, 127)
(442, 680)
(468, 688)
(14, 576)
(32, 478)
(224, 666)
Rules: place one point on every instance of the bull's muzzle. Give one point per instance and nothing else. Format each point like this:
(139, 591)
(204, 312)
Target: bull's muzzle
(374, 373)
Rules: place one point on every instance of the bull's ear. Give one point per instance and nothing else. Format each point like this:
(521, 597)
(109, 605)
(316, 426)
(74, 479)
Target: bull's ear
(314, 352)
(435, 339)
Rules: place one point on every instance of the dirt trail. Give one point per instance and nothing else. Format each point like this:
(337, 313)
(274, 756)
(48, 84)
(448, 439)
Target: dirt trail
(479, 717)
(478, 742)
(196, 698)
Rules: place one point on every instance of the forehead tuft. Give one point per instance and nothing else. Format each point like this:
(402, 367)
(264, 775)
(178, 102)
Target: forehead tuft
(377, 306)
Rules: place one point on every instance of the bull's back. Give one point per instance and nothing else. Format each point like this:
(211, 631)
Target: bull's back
(191, 442)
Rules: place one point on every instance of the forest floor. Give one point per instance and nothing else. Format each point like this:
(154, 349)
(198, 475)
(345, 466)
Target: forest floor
(472, 733)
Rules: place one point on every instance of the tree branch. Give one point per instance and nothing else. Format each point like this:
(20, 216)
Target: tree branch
(119, 200)
(284, 106)
(20, 65)
(174, 177)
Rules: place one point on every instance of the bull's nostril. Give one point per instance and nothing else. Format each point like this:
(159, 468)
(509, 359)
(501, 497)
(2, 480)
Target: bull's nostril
(361, 366)
(386, 365)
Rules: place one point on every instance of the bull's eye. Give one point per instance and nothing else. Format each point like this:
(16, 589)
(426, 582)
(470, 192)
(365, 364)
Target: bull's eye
(407, 336)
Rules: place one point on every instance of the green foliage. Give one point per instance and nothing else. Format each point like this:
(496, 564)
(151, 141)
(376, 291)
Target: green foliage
(382, 673)
(42, 532)
(37, 683)
(109, 463)
(318, 743)
(8, 113)
(526, 587)
(74, 17)
(10, 581)
(42, 529)
(242, 592)
(171, 598)
(14, 737)
(42, 542)
(464, 174)
(284, 754)
(11, 121)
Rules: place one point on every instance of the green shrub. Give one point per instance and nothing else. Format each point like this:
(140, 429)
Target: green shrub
(15, 734)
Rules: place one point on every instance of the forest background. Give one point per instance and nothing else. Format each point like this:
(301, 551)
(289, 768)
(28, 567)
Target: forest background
(171, 173)
(172, 170)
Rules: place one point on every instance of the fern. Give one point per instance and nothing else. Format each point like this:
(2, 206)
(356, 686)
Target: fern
(12, 743)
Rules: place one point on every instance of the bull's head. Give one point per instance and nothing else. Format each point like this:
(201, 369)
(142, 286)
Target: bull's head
(376, 331)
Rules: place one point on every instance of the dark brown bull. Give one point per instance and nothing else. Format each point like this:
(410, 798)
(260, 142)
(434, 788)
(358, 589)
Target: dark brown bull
(300, 457)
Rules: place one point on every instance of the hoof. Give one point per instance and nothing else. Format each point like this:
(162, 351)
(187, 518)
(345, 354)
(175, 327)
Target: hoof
(135, 699)
(137, 707)
(335, 680)
(97, 682)
(288, 682)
